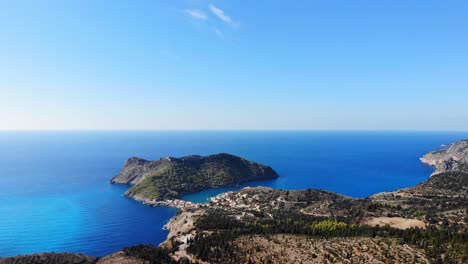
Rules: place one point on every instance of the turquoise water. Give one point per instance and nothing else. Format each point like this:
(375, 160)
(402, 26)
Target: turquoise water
(55, 192)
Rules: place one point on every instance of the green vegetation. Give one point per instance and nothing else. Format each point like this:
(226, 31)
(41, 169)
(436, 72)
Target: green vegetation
(331, 225)
(155, 255)
(310, 217)
(441, 201)
(173, 177)
(441, 244)
(443, 198)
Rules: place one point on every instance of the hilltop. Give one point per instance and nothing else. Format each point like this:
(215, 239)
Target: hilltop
(427, 223)
(170, 177)
(449, 159)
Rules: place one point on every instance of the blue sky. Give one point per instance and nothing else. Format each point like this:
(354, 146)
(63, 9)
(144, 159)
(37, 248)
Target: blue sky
(219, 64)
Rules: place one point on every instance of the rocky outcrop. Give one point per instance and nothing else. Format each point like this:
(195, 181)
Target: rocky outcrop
(181, 231)
(170, 177)
(133, 170)
(443, 197)
(450, 159)
(437, 203)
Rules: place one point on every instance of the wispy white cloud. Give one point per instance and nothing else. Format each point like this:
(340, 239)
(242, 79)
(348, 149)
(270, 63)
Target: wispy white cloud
(221, 15)
(219, 33)
(196, 14)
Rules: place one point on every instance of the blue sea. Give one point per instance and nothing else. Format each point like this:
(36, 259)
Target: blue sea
(55, 193)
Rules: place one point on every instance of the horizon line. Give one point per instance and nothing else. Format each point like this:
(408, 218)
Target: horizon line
(233, 130)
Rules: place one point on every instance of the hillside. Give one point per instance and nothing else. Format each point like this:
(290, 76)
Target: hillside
(50, 258)
(427, 223)
(173, 177)
(449, 159)
(298, 249)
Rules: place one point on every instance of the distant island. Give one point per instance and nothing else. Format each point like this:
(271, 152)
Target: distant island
(427, 223)
(170, 177)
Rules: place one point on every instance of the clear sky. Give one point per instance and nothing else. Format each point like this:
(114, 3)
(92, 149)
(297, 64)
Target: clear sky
(263, 64)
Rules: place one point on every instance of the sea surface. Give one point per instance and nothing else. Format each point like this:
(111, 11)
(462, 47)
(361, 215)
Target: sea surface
(55, 193)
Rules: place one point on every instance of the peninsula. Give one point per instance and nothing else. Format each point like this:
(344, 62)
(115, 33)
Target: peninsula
(427, 223)
(170, 177)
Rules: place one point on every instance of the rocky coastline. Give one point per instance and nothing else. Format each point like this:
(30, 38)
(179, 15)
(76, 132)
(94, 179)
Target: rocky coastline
(453, 157)
(440, 202)
(170, 178)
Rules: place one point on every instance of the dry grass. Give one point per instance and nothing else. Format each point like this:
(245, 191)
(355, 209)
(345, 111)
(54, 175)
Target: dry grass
(298, 249)
(396, 222)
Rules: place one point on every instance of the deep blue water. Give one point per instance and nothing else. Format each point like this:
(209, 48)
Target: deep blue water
(55, 193)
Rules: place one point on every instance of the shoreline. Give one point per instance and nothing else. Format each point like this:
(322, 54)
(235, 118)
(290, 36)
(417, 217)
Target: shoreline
(180, 205)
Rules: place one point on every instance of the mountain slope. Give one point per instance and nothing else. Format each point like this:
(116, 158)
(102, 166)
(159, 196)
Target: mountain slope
(260, 224)
(172, 177)
(426, 223)
(452, 158)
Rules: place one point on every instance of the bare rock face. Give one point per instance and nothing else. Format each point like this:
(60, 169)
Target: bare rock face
(450, 159)
(133, 170)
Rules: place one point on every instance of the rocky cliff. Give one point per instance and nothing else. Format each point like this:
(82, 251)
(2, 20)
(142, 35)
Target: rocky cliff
(251, 224)
(452, 158)
(172, 177)
(427, 223)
